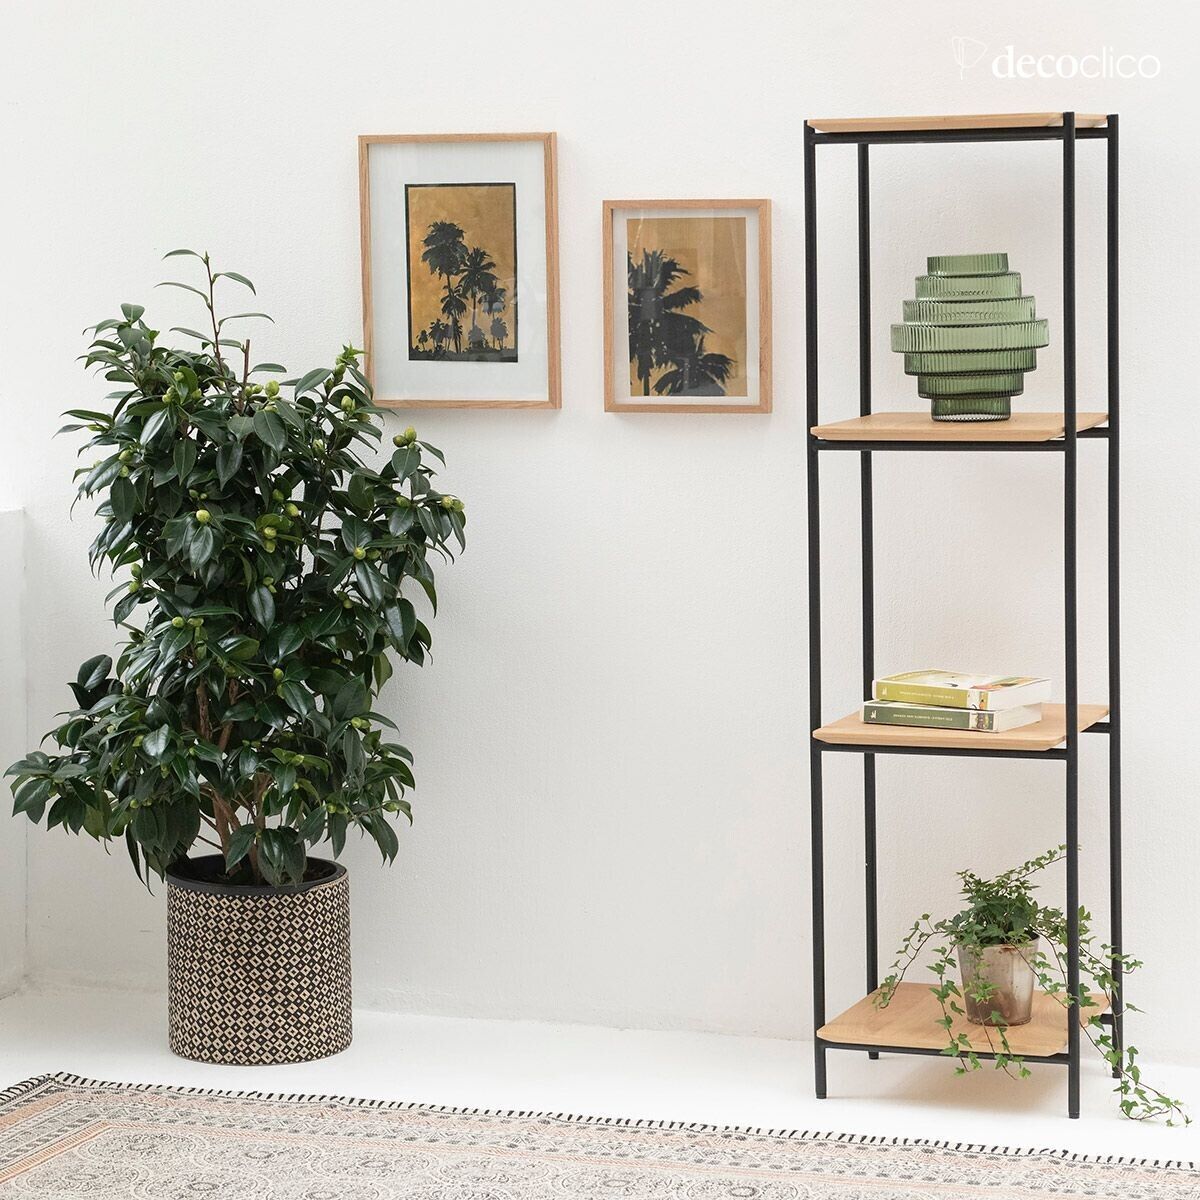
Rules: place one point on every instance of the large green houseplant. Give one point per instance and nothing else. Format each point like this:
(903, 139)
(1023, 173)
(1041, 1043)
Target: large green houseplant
(262, 561)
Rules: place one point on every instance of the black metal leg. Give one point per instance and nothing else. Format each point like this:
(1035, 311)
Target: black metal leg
(1070, 620)
(1114, 594)
(814, 609)
(868, 565)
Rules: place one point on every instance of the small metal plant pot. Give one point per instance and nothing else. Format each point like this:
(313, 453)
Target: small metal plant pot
(1006, 970)
(256, 974)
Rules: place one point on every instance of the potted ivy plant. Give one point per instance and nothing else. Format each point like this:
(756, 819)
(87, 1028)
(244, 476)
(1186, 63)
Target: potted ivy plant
(996, 944)
(262, 565)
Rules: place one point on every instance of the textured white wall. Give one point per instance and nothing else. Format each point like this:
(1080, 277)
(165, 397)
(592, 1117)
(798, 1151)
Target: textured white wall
(611, 817)
(12, 744)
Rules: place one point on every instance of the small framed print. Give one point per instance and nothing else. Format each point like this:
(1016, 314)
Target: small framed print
(460, 269)
(687, 306)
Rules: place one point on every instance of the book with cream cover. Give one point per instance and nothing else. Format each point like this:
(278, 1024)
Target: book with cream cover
(929, 716)
(957, 689)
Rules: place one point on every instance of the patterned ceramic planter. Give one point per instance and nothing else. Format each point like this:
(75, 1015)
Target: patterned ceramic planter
(258, 975)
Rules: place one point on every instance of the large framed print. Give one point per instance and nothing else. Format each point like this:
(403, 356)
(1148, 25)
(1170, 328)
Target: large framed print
(687, 306)
(460, 269)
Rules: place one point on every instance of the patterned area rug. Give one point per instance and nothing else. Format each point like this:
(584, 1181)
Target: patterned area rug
(62, 1137)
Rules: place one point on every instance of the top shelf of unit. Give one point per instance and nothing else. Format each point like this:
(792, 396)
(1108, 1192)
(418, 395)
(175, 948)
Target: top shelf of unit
(1047, 120)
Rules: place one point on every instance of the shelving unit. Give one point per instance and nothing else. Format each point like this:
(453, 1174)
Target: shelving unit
(907, 1025)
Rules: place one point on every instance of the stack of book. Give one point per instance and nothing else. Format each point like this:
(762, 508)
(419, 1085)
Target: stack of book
(954, 700)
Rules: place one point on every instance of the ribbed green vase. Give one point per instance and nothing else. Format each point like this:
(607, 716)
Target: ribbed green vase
(971, 408)
(970, 336)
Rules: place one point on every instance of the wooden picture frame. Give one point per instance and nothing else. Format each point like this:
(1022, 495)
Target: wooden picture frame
(707, 374)
(525, 375)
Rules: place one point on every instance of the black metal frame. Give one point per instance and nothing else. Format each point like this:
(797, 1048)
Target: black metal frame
(1067, 445)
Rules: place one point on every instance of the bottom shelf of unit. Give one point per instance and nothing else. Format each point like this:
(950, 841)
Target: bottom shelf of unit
(909, 1022)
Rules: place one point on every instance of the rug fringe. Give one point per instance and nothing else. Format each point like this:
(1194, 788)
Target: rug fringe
(862, 1139)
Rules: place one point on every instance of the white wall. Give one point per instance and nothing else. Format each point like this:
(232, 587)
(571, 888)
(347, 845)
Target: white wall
(612, 811)
(12, 745)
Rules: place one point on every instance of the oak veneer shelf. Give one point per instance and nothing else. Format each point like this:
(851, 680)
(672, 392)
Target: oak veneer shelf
(1047, 733)
(910, 1020)
(1045, 120)
(921, 427)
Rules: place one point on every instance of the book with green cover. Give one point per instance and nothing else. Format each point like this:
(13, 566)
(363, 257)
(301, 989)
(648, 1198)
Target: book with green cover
(929, 716)
(958, 689)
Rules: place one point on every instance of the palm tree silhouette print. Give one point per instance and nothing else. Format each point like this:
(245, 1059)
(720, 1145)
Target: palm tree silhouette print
(466, 274)
(664, 338)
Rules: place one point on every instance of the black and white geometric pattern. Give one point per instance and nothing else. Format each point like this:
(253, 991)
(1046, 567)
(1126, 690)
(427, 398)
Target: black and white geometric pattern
(262, 977)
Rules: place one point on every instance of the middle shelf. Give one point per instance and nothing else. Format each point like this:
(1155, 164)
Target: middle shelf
(1047, 733)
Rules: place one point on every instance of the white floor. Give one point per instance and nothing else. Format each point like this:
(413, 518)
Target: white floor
(604, 1072)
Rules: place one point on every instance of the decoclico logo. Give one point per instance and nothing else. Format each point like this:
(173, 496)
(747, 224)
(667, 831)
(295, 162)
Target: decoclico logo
(1104, 63)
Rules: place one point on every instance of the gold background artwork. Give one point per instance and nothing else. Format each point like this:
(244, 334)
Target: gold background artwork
(713, 249)
(486, 213)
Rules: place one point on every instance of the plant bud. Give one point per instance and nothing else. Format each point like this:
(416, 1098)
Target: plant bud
(126, 455)
(347, 404)
(272, 388)
(124, 472)
(292, 510)
(203, 516)
(359, 553)
(410, 435)
(178, 622)
(133, 586)
(269, 533)
(347, 602)
(278, 673)
(319, 445)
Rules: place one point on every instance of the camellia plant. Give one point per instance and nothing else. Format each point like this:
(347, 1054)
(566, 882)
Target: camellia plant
(267, 561)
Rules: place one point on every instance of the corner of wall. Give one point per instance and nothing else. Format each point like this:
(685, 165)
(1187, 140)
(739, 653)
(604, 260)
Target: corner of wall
(14, 719)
